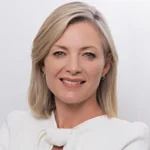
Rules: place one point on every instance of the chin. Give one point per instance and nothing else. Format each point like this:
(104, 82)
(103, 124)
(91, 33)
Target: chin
(70, 100)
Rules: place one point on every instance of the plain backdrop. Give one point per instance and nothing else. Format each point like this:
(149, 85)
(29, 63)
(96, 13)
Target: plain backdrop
(129, 21)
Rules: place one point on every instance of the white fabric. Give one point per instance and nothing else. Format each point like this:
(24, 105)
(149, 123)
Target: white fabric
(22, 131)
(57, 137)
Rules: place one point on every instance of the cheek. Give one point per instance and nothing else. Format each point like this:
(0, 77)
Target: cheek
(96, 74)
(95, 70)
(52, 68)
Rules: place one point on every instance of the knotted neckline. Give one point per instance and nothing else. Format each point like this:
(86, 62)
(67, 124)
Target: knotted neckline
(59, 136)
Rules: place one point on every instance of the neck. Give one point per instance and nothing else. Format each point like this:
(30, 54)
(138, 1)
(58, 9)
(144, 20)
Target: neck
(71, 115)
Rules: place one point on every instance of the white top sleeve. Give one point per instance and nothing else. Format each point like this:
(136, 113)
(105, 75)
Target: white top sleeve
(141, 141)
(139, 144)
(4, 137)
(137, 140)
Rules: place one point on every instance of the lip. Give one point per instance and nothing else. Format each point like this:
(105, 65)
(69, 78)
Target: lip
(73, 79)
(69, 85)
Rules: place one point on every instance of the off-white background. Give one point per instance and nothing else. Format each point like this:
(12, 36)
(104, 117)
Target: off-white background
(129, 21)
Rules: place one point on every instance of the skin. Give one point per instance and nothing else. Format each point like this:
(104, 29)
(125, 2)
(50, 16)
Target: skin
(77, 54)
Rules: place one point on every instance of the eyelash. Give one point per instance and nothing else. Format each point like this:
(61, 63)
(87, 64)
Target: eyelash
(59, 53)
(88, 54)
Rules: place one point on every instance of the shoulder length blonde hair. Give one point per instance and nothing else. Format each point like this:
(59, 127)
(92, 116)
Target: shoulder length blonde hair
(41, 99)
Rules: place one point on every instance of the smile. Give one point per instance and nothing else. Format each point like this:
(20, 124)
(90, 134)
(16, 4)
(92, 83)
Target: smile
(72, 82)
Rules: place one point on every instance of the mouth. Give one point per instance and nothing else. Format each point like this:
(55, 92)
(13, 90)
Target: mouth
(72, 82)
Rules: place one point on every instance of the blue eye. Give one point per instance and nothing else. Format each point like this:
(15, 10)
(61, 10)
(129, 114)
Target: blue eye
(59, 53)
(90, 55)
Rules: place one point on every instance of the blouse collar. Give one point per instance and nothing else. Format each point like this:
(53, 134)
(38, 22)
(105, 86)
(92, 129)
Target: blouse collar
(60, 136)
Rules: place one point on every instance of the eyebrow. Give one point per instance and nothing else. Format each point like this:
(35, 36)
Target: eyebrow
(82, 48)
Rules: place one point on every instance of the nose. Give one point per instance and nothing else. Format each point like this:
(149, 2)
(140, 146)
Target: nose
(73, 66)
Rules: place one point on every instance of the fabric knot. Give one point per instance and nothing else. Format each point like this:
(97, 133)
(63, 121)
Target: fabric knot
(57, 137)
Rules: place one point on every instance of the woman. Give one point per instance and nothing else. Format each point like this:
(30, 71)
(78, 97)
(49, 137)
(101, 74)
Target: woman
(72, 92)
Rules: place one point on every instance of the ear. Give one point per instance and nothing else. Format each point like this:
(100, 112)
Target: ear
(107, 66)
(106, 69)
(43, 68)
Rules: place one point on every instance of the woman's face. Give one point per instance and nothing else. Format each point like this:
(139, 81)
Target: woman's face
(75, 64)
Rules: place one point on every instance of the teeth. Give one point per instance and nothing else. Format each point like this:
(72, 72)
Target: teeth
(71, 82)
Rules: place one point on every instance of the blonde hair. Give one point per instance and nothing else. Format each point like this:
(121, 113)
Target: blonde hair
(41, 99)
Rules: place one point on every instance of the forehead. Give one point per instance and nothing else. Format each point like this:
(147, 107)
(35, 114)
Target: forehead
(80, 34)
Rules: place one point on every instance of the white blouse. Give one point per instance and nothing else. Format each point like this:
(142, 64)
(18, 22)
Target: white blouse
(22, 131)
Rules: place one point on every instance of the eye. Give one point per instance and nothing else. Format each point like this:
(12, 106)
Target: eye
(59, 53)
(90, 55)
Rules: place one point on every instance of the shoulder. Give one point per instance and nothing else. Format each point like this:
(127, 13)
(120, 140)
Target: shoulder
(129, 129)
(124, 125)
(117, 126)
(126, 132)
(25, 120)
(120, 134)
(120, 126)
(17, 116)
(132, 135)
